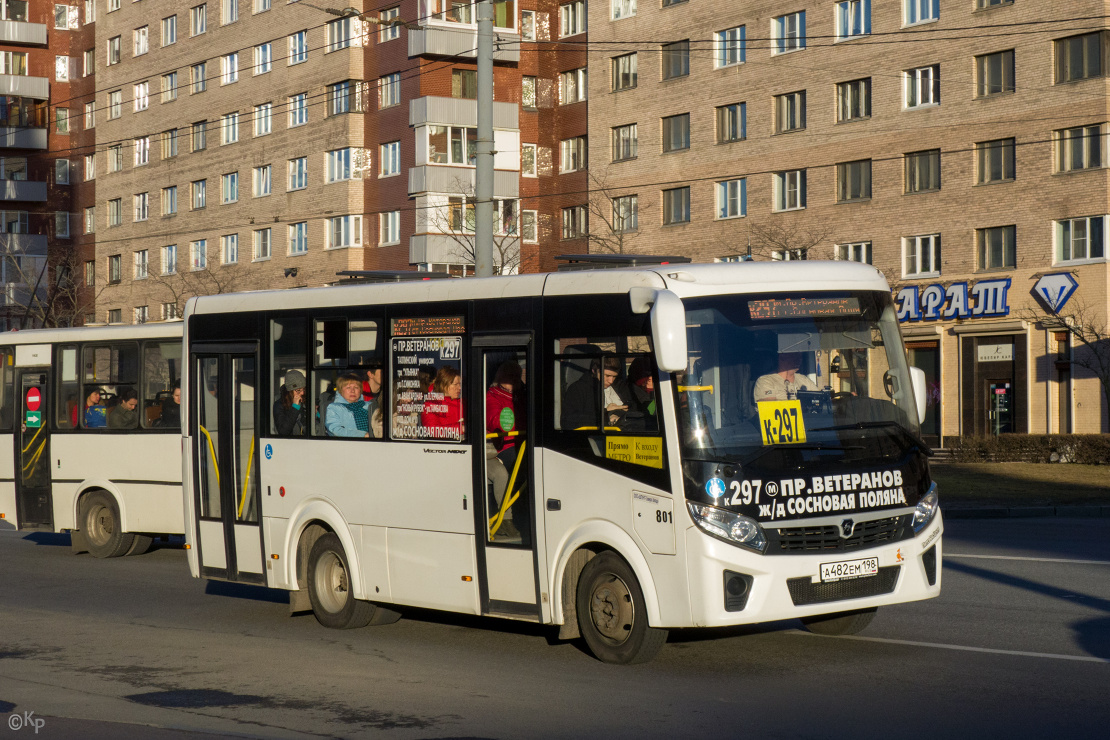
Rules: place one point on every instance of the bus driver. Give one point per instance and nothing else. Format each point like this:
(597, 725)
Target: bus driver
(785, 384)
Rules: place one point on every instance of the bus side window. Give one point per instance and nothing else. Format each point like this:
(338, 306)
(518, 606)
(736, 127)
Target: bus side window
(6, 393)
(578, 389)
(108, 370)
(161, 383)
(287, 356)
(69, 389)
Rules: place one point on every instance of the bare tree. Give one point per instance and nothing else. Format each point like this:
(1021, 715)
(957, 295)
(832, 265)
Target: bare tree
(1089, 333)
(456, 223)
(788, 239)
(179, 286)
(612, 222)
(49, 291)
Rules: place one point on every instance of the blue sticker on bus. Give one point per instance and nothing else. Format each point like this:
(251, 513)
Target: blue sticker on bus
(715, 487)
(269, 452)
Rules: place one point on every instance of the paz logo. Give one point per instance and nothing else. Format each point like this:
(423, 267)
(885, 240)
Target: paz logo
(1055, 289)
(715, 487)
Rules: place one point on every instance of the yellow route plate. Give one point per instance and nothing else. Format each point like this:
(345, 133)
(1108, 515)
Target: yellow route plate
(647, 451)
(780, 422)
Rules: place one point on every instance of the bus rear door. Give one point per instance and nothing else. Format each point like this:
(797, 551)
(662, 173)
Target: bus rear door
(32, 439)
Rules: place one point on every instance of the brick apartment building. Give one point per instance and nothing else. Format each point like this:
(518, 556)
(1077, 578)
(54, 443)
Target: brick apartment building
(960, 147)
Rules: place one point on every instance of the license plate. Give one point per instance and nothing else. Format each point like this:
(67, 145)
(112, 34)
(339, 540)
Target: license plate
(845, 569)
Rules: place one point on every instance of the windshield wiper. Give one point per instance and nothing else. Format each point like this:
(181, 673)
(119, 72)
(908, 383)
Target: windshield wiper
(916, 440)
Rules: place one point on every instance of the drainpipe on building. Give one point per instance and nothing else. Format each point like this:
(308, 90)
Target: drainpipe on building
(483, 176)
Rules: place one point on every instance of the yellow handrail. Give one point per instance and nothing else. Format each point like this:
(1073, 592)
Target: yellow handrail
(493, 435)
(246, 480)
(685, 388)
(507, 501)
(35, 457)
(212, 449)
(33, 438)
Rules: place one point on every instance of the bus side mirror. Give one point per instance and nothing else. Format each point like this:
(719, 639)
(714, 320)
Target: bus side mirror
(668, 332)
(917, 379)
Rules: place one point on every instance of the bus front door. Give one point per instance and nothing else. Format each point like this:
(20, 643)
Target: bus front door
(227, 505)
(506, 529)
(32, 452)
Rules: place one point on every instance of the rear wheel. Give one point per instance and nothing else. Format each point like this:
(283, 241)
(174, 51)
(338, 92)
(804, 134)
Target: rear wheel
(612, 616)
(101, 522)
(841, 623)
(329, 587)
(140, 545)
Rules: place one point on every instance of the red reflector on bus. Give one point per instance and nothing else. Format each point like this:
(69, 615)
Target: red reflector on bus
(281, 491)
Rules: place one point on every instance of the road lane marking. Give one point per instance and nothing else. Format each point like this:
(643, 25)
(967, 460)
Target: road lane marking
(966, 648)
(1035, 560)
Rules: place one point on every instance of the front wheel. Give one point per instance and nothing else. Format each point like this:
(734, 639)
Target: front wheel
(329, 587)
(103, 531)
(612, 616)
(841, 623)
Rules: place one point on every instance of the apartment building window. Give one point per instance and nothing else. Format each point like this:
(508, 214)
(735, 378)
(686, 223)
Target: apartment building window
(338, 165)
(923, 171)
(788, 32)
(921, 256)
(115, 212)
(61, 120)
(344, 231)
(389, 90)
(452, 145)
(142, 314)
(676, 206)
(198, 78)
(61, 231)
(142, 263)
(574, 222)
(390, 228)
(572, 18)
(996, 246)
(390, 26)
(298, 238)
(625, 142)
(229, 188)
(528, 25)
(115, 104)
(992, 3)
(142, 151)
(390, 159)
(572, 86)
(169, 87)
(732, 123)
(572, 154)
(200, 194)
(922, 11)
(298, 47)
(922, 86)
(141, 38)
(229, 68)
(529, 226)
(89, 58)
(341, 97)
(623, 9)
(169, 30)
(995, 160)
(169, 311)
(262, 244)
(528, 92)
(1081, 239)
(853, 19)
(676, 60)
(263, 58)
(790, 190)
(115, 157)
(298, 173)
(464, 84)
(625, 213)
(994, 73)
(528, 160)
(113, 51)
(229, 11)
(198, 254)
(90, 115)
(169, 259)
(790, 112)
(90, 227)
(115, 315)
(263, 181)
(61, 171)
(261, 6)
(337, 34)
(854, 252)
(729, 47)
(229, 248)
(1079, 57)
(198, 20)
(853, 100)
(298, 109)
(263, 119)
(169, 143)
(199, 135)
(1079, 148)
(141, 97)
(853, 180)
(115, 269)
(169, 201)
(90, 273)
(624, 72)
(61, 68)
(229, 128)
(732, 198)
(90, 167)
(676, 132)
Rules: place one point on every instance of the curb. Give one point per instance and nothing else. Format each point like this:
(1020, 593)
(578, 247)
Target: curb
(1019, 512)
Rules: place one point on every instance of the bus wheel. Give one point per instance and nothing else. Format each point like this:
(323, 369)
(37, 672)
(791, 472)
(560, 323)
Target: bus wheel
(329, 587)
(141, 544)
(841, 623)
(611, 613)
(100, 520)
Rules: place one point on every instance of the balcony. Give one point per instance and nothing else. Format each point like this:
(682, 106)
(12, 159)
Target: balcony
(25, 86)
(18, 32)
(432, 178)
(22, 138)
(22, 190)
(457, 250)
(22, 244)
(461, 40)
(460, 112)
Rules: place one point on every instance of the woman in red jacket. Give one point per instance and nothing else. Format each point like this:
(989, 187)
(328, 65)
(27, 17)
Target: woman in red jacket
(442, 417)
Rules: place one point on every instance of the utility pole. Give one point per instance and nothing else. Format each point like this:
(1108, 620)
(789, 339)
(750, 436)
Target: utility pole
(483, 176)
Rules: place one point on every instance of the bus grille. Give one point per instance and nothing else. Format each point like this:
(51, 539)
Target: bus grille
(803, 591)
(793, 540)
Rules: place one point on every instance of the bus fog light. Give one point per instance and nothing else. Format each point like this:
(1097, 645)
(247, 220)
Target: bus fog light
(926, 509)
(728, 526)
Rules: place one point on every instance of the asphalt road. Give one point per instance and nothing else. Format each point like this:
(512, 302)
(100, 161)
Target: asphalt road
(1018, 645)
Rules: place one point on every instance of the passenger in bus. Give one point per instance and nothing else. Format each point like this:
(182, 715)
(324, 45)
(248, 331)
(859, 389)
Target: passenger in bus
(504, 414)
(642, 400)
(291, 410)
(170, 417)
(583, 397)
(425, 375)
(784, 384)
(95, 415)
(348, 415)
(126, 414)
(372, 386)
(443, 404)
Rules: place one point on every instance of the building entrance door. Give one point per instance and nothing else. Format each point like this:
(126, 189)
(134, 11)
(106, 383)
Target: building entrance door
(1000, 411)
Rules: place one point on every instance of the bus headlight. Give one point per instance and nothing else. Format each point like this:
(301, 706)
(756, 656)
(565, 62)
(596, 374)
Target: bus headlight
(728, 526)
(926, 509)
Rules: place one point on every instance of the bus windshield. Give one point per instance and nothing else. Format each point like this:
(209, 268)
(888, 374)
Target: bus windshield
(808, 377)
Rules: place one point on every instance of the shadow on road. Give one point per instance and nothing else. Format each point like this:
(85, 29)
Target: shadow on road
(50, 539)
(244, 591)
